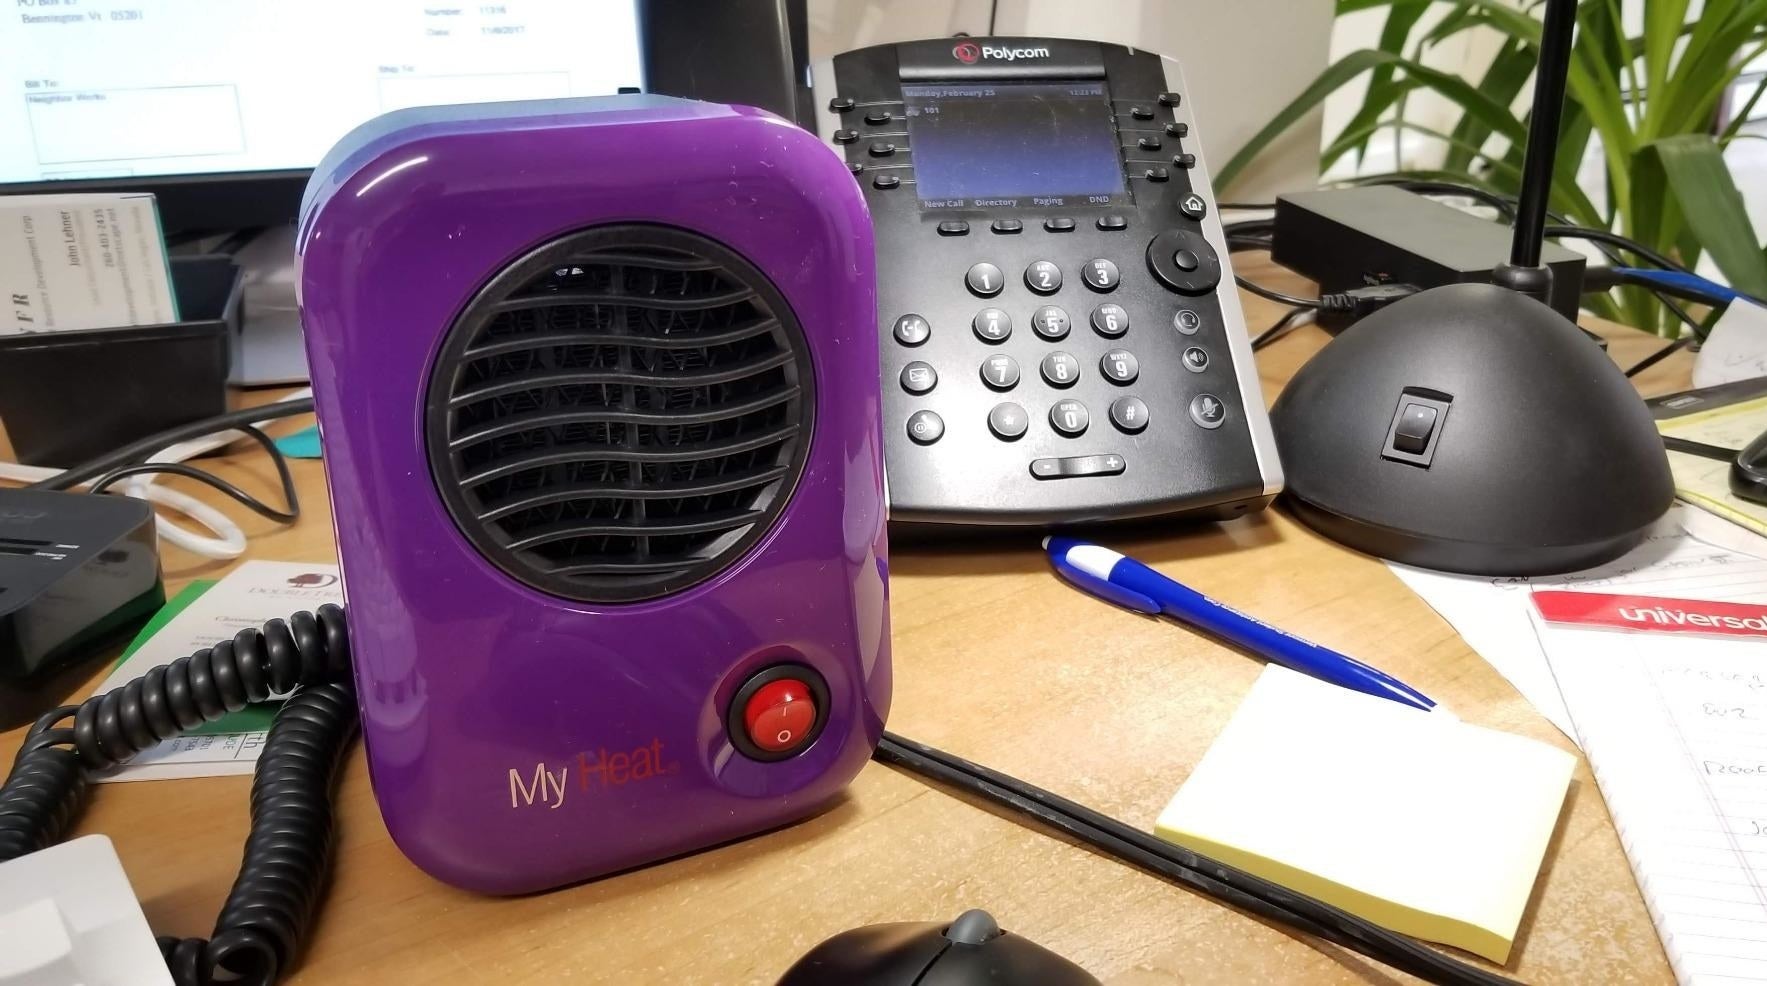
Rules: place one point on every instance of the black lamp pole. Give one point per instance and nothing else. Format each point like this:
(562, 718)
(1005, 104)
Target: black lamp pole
(1523, 272)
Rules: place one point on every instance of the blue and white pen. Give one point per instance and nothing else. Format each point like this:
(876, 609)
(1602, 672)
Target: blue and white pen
(1123, 580)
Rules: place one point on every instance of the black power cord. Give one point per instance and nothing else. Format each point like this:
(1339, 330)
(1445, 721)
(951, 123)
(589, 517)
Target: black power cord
(1607, 238)
(1282, 327)
(1658, 356)
(1700, 449)
(257, 506)
(1279, 297)
(288, 851)
(139, 450)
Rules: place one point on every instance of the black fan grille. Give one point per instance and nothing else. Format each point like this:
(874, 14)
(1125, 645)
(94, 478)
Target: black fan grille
(621, 413)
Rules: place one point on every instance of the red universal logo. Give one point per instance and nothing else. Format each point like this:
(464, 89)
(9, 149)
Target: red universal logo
(966, 52)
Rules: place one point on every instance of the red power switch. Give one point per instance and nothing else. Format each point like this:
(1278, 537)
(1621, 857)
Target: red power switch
(779, 715)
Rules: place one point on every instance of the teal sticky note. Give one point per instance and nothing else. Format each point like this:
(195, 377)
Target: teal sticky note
(302, 444)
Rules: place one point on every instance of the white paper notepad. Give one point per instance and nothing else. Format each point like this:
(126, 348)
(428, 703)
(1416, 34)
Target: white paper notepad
(1669, 699)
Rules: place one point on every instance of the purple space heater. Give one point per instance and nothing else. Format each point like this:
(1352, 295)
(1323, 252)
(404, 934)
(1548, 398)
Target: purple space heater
(598, 386)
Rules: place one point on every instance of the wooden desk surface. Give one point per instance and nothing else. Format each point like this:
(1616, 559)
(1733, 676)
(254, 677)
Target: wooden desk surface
(996, 660)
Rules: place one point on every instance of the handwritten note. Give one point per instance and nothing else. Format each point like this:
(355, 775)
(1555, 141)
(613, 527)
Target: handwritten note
(1675, 727)
(1736, 348)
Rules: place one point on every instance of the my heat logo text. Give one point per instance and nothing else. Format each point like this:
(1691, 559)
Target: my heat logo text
(601, 770)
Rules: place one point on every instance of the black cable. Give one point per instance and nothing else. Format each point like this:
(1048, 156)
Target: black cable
(1245, 206)
(231, 491)
(1562, 232)
(1281, 328)
(1658, 356)
(237, 240)
(1275, 295)
(1137, 848)
(288, 850)
(1700, 449)
(1243, 236)
(257, 506)
(993, 13)
(1264, 224)
(138, 451)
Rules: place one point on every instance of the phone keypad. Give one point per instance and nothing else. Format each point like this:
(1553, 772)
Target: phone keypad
(1059, 370)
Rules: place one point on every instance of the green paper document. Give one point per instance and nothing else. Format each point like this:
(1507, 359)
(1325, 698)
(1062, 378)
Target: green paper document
(1413, 820)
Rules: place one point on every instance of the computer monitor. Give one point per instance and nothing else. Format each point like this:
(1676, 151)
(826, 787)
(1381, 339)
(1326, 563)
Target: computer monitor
(222, 107)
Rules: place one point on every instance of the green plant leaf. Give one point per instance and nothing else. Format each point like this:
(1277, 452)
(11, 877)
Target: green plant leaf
(1694, 173)
(1713, 58)
(1403, 16)
(1455, 89)
(1573, 139)
(1466, 14)
(1381, 97)
(1593, 82)
(1743, 113)
(1507, 19)
(1509, 70)
(1662, 22)
(1351, 138)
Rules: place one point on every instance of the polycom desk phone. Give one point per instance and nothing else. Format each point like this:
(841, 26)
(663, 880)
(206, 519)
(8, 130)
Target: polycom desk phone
(1062, 340)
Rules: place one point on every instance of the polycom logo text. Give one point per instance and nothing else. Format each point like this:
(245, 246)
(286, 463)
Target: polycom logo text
(1013, 54)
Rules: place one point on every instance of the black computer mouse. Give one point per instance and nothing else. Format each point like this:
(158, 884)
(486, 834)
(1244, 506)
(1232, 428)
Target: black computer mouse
(1748, 474)
(970, 951)
(1471, 429)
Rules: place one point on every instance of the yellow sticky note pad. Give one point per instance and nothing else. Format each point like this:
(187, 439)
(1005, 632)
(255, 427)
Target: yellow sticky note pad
(1413, 820)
